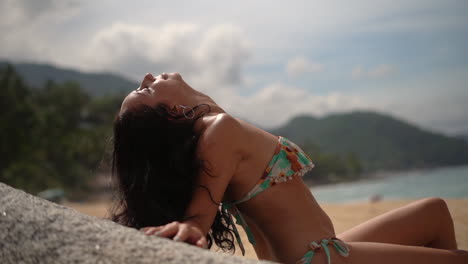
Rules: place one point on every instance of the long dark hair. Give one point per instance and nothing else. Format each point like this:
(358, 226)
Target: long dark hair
(155, 167)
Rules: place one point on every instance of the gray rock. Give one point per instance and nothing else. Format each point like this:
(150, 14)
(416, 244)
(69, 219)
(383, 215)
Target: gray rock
(33, 230)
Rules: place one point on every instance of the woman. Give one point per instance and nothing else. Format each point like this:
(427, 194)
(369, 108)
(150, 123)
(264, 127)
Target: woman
(184, 167)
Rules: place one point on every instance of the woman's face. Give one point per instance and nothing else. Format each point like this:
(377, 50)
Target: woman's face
(167, 88)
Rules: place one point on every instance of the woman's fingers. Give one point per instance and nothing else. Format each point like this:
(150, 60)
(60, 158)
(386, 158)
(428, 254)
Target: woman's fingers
(160, 230)
(168, 230)
(202, 242)
(143, 229)
(180, 232)
(150, 230)
(191, 235)
(183, 233)
(153, 230)
(188, 234)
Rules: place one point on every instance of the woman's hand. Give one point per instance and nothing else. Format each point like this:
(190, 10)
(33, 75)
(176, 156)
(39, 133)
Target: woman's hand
(185, 232)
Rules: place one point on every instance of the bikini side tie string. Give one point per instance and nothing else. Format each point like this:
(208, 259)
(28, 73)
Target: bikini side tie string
(338, 244)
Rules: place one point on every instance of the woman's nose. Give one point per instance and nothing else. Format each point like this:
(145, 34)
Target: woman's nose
(147, 80)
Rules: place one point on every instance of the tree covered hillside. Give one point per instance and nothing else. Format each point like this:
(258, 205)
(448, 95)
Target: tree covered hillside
(381, 142)
(52, 136)
(95, 84)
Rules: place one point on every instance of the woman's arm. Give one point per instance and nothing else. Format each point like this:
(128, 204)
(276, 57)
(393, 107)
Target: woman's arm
(219, 149)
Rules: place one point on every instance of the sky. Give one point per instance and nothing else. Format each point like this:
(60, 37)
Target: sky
(266, 61)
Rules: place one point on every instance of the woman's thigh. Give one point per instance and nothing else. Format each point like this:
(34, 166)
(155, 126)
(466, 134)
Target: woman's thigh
(416, 224)
(382, 253)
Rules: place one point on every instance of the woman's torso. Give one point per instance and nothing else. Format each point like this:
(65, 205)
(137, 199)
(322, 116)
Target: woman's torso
(284, 218)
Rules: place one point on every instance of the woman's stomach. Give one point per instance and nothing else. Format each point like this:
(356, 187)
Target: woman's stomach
(287, 218)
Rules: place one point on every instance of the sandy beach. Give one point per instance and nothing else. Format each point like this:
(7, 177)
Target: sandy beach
(344, 216)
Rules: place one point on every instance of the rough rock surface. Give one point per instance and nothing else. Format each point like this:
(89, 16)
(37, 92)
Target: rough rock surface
(33, 230)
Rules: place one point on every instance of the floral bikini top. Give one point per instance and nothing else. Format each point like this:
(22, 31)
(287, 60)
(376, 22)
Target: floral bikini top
(288, 161)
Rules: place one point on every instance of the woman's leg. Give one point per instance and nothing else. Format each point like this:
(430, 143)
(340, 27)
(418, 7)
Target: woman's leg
(371, 253)
(425, 222)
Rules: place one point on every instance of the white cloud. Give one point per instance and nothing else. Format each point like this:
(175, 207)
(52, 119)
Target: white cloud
(358, 72)
(379, 71)
(222, 53)
(211, 58)
(418, 100)
(274, 104)
(301, 65)
(136, 49)
(134, 39)
(435, 101)
(22, 12)
(27, 28)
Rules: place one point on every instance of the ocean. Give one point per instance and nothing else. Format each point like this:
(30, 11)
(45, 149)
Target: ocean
(446, 182)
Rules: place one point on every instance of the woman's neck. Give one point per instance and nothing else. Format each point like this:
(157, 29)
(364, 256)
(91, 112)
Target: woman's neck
(201, 98)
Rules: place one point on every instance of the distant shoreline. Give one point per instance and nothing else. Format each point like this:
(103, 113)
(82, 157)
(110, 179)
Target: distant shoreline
(445, 182)
(383, 174)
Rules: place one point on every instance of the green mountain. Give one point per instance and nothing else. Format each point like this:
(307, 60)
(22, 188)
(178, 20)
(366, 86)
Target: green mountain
(96, 84)
(380, 142)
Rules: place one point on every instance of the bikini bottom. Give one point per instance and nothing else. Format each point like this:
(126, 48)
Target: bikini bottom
(338, 244)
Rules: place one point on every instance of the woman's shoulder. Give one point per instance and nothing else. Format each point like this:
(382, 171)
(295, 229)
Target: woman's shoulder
(220, 128)
(219, 118)
(224, 121)
(220, 143)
